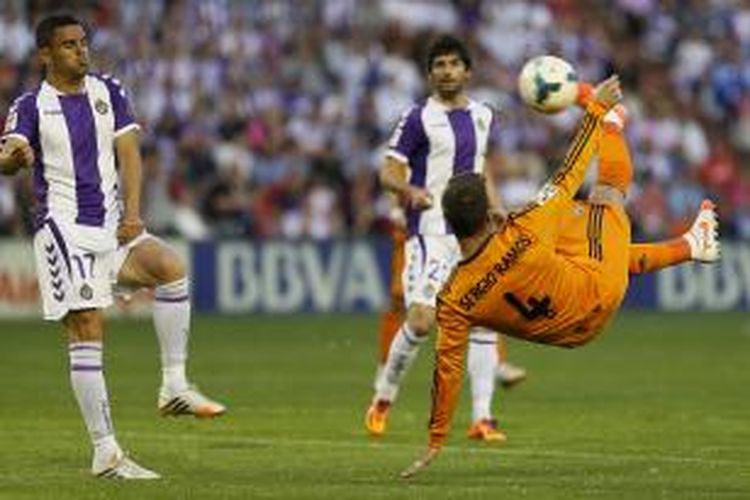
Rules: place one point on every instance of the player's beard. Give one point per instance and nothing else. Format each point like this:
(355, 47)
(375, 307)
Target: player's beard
(72, 73)
(450, 89)
(449, 92)
(81, 69)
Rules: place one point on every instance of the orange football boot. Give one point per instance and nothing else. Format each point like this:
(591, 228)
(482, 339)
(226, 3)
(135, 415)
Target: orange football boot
(486, 430)
(376, 418)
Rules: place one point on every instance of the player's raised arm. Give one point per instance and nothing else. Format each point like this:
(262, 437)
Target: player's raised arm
(570, 175)
(566, 181)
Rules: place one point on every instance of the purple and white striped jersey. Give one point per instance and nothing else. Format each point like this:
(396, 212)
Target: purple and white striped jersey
(72, 135)
(437, 143)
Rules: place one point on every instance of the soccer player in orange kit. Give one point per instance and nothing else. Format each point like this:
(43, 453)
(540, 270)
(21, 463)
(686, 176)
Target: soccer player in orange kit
(554, 273)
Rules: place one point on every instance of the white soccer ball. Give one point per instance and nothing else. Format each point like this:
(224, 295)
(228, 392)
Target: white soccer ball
(548, 84)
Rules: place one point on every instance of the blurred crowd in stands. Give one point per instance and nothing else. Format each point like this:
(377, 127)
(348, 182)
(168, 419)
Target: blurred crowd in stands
(267, 118)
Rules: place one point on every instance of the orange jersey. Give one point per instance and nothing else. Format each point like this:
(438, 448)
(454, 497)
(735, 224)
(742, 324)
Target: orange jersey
(520, 286)
(545, 276)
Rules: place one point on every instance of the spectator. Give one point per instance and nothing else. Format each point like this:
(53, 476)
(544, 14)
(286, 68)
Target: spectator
(267, 118)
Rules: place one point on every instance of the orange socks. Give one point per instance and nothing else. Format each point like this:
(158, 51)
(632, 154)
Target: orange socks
(649, 257)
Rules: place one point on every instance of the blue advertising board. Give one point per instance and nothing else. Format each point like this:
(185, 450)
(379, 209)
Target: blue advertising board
(279, 276)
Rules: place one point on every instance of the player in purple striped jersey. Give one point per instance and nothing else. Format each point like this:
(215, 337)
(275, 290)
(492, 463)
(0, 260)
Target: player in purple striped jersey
(446, 135)
(77, 133)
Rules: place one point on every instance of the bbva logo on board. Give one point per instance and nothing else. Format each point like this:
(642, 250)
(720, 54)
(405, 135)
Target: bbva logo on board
(286, 276)
(709, 287)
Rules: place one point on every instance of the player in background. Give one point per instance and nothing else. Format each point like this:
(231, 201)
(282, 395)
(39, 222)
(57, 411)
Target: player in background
(77, 134)
(554, 273)
(446, 135)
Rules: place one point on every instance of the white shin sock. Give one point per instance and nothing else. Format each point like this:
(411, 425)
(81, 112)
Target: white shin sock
(172, 323)
(482, 359)
(401, 355)
(87, 379)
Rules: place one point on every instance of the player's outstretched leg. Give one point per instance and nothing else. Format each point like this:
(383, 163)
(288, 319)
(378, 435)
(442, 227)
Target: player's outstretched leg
(700, 243)
(151, 263)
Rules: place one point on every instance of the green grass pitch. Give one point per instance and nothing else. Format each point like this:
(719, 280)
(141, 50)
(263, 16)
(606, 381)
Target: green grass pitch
(659, 407)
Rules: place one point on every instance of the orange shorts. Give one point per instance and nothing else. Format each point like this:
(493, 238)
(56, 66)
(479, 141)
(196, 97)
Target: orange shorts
(598, 235)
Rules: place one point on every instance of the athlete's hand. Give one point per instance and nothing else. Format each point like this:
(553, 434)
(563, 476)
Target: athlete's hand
(397, 216)
(420, 463)
(419, 198)
(608, 93)
(129, 229)
(16, 154)
(497, 216)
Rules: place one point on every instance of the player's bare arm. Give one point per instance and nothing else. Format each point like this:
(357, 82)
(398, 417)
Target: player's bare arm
(496, 211)
(15, 154)
(129, 159)
(393, 178)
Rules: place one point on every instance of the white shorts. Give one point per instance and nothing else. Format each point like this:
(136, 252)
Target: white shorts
(429, 262)
(70, 277)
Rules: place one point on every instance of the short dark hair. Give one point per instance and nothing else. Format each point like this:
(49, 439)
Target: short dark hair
(445, 45)
(465, 204)
(45, 30)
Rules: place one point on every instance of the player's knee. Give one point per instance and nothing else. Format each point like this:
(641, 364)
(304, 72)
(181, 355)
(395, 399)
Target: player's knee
(420, 319)
(168, 268)
(84, 326)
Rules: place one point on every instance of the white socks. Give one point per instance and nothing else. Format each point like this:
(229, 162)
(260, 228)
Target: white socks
(481, 361)
(87, 379)
(172, 323)
(402, 354)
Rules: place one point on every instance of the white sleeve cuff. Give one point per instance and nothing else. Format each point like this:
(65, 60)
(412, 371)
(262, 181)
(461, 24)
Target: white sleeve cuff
(392, 153)
(126, 129)
(15, 135)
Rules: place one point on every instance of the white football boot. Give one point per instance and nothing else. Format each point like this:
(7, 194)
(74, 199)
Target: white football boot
(118, 466)
(188, 402)
(703, 236)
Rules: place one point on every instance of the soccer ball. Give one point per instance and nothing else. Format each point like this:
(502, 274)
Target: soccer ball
(548, 84)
